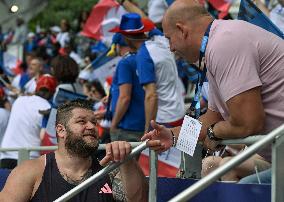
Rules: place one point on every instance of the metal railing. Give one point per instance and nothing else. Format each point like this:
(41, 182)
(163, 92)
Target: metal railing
(276, 137)
(261, 140)
(24, 154)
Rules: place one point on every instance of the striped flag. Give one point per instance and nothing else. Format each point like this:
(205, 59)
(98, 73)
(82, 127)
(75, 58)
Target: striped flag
(105, 15)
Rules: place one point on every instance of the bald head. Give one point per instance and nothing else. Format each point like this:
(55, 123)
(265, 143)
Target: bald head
(184, 11)
(184, 25)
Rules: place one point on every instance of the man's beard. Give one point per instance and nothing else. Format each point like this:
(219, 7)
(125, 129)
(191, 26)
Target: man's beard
(76, 145)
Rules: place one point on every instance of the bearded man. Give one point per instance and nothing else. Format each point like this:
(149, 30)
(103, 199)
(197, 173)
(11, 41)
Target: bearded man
(50, 176)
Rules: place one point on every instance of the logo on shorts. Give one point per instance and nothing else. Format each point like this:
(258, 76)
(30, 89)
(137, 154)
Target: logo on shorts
(105, 189)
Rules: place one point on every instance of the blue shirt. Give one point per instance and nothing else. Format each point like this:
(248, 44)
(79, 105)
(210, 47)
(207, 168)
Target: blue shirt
(134, 118)
(145, 66)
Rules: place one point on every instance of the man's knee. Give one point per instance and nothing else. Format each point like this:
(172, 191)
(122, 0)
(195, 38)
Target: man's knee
(209, 164)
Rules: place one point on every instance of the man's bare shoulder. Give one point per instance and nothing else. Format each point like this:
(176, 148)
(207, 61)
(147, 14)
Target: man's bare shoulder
(22, 180)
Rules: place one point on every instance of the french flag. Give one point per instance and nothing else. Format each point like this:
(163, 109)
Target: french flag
(168, 162)
(105, 15)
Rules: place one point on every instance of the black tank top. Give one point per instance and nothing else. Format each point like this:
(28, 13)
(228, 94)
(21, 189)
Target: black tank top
(53, 185)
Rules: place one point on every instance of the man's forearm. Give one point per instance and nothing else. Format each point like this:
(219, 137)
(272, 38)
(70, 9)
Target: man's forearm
(226, 130)
(134, 181)
(151, 107)
(130, 7)
(120, 110)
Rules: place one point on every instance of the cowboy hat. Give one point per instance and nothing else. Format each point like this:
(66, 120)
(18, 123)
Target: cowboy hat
(132, 23)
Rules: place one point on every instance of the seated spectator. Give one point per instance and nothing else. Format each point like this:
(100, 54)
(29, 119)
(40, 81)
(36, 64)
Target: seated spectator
(25, 121)
(50, 176)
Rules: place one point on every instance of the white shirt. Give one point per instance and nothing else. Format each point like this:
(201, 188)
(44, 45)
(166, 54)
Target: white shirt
(30, 86)
(24, 125)
(170, 99)
(156, 10)
(16, 81)
(63, 38)
(4, 118)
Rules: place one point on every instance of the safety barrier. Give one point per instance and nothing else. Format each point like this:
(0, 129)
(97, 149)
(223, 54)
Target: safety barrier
(24, 154)
(261, 141)
(276, 137)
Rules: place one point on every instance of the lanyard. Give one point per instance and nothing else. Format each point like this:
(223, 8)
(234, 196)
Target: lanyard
(194, 110)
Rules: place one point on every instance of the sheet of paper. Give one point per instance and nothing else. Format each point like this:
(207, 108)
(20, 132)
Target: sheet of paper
(188, 135)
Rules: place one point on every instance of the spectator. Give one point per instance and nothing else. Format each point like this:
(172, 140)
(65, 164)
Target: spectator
(34, 71)
(30, 44)
(66, 71)
(63, 36)
(24, 125)
(94, 90)
(49, 177)
(127, 96)
(157, 71)
(246, 79)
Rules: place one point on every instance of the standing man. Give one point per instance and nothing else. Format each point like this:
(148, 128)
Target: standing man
(127, 96)
(50, 176)
(157, 71)
(245, 70)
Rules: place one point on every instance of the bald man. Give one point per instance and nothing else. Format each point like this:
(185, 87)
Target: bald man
(245, 72)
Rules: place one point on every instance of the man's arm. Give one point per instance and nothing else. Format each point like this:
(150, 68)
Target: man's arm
(122, 104)
(132, 8)
(246, 116)
(134, 182)
(207, 119)
(151, 103)
(161, 137)
(20, 183)
(133, 179)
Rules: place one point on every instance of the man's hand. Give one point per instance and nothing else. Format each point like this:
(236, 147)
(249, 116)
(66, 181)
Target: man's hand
(160, 139)
(212, 145)
(100, 114)
(116, 151)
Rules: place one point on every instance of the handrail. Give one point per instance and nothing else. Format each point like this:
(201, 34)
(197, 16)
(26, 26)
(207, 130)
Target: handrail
(45, 148)
(68, 195)
(216, 174)
(247, 140)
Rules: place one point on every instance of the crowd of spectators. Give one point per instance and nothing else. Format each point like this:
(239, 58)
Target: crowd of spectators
(149, 83)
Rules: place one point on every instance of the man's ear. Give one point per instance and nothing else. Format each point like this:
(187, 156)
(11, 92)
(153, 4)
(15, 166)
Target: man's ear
(60, 130)
(183, 29)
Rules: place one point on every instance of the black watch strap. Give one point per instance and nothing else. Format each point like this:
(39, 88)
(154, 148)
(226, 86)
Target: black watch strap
(211, 134)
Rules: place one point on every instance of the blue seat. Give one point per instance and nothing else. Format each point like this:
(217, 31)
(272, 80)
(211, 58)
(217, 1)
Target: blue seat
(217, 192)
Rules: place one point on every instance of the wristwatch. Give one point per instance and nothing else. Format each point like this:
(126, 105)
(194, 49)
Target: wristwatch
(211, 134)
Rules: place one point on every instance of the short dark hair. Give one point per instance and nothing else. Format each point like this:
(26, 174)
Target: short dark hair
(65, 69)
(98, 86)
(64, 111)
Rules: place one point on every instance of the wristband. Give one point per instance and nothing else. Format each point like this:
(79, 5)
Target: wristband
(174, 139)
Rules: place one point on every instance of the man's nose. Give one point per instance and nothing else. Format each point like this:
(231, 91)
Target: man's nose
(91, 125)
